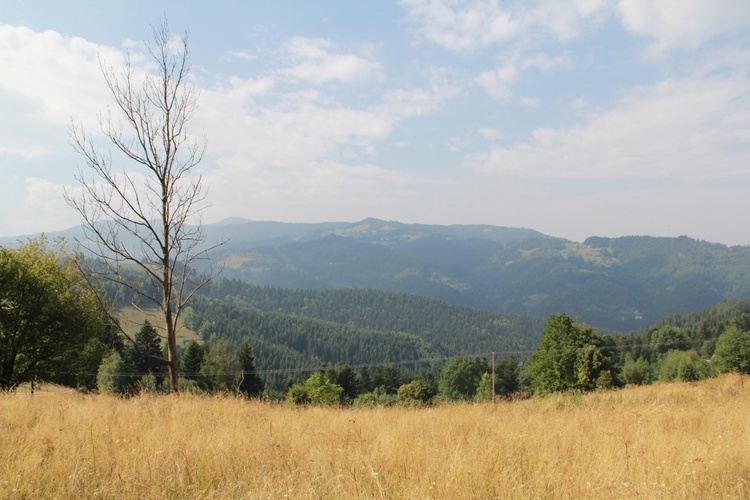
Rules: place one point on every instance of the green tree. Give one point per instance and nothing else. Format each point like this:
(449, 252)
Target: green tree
(190, 364)
(91, 358)
(322, 391)
(364, 381)
(146, 353)
(387, 377)
(570, 356)
(377, 397)
(484, 389)
(111, 377)
(221, 368)
(668, 338)
(685, 366)
(343, 375)
(316, 390)
(507, 376)
(251, 385)
(418, 392)
(636, 372)
(47, 314)
(297, 394)
(732, 352)
(460, 378)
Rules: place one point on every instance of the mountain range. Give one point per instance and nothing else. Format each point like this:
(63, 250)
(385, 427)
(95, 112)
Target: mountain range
(616, 284)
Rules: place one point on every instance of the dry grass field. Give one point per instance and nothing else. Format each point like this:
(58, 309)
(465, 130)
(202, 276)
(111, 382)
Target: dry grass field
(667, 440)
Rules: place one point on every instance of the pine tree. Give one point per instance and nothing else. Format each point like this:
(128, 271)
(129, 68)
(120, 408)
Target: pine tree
(147, 353)
(251, 385)
(191, 360)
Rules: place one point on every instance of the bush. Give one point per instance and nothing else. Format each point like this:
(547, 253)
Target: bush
(636, 372)
(685, 366)
(317, 390)
(415, 393)
(378, 397)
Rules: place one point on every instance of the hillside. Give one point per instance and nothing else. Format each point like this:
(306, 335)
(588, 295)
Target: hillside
(291, 330)
(616, 284)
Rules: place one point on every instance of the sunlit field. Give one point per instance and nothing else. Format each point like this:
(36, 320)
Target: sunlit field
(667, 440)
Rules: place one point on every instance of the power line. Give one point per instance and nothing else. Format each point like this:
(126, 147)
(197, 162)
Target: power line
(430, 360)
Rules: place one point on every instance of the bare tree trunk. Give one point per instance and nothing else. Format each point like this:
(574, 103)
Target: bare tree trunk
(152, 226)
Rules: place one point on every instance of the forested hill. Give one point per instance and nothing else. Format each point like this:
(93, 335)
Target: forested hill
(299, 329)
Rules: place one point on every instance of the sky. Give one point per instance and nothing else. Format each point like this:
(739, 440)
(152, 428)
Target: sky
(576, 118)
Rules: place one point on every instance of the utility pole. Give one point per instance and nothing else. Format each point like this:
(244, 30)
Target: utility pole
(493, 377)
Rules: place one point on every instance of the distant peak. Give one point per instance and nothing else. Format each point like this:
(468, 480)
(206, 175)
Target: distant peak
(231, 220)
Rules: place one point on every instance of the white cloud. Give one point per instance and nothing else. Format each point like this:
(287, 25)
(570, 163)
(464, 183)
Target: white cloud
(529, 102)
(54, 77)
(686, 129)
(245, 55)
(313, 62)
(471, 24)
(461, 25)
(497, 82)
(543, 62)
(459, 143)
(491, 134)
(578, 103)
(683, 24)
(43, 209)
(43, 194)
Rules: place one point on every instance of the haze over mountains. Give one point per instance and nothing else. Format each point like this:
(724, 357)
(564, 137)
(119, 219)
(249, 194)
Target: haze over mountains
(616, 284)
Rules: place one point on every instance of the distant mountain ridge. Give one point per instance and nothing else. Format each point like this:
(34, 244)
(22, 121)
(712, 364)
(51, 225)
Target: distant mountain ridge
(617, 284)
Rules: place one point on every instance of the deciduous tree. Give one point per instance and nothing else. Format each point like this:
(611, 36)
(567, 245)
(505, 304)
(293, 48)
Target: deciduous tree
(47, 313)
(570, 356)
(460, 378)
(221, 368)
(147, 217)
(732, 352)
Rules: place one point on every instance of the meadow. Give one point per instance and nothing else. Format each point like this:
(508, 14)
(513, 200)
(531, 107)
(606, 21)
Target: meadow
(681, 440)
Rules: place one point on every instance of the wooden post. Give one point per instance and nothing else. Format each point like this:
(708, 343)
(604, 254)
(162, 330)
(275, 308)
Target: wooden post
(493, 376)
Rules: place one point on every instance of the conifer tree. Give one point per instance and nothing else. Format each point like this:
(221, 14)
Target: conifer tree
(251, 384)
(191, 360)
(147, 353)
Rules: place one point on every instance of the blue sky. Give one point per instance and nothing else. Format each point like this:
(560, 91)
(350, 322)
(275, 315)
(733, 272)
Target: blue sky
(572, 117)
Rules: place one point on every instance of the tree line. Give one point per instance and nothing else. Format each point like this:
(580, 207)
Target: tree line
(52, 329)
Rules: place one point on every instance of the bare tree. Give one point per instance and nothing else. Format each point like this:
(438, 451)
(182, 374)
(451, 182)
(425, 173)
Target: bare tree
(146, 219)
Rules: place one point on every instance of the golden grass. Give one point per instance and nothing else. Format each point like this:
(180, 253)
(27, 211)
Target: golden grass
(667, 440)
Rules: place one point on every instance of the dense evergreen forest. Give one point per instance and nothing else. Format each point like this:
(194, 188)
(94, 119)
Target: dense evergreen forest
(297, 330)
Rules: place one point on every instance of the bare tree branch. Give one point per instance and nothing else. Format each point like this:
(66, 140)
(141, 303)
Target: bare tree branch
(148, 220)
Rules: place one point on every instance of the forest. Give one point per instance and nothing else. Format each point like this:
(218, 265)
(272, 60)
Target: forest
(342, 346)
